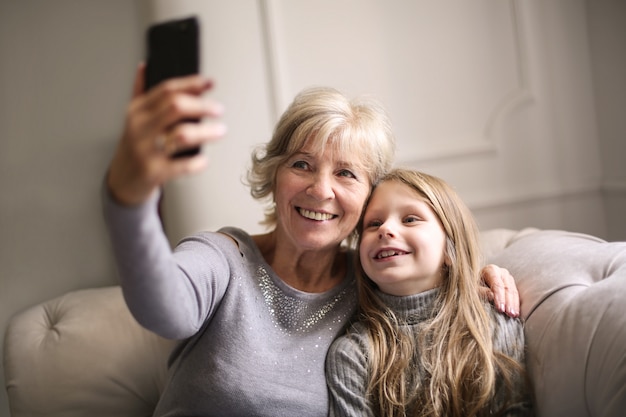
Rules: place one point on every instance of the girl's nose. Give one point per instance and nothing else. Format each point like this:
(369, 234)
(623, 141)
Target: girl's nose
(386, 230)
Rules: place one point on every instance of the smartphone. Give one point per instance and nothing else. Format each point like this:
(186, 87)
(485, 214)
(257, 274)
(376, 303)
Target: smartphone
(173, 50)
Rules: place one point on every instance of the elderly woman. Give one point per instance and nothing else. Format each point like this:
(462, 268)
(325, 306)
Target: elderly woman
(255, 315)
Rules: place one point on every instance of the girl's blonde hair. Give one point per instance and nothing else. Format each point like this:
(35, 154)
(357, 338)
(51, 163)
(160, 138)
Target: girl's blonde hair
(457, 354)
(318, 117)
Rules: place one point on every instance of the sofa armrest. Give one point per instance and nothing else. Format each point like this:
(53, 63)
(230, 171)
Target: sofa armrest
(572, 287)
(83, 354)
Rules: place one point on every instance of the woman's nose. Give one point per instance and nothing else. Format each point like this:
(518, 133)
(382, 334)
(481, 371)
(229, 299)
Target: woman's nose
(321, 188)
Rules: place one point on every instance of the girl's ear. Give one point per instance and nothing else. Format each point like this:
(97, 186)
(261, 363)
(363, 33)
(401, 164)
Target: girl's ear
(445, 266)
(444, 272)
(448, 253)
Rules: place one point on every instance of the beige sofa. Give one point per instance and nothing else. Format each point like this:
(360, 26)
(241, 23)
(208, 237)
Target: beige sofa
(82, 354)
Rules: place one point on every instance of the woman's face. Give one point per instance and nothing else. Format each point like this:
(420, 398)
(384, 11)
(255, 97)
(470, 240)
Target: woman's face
(402, 243)
(319, 198)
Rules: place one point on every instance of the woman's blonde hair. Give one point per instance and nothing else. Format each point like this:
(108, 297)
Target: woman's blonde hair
(456, 349)
(319, 117)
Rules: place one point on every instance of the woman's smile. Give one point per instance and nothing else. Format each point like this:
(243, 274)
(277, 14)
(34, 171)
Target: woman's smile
(315, 215)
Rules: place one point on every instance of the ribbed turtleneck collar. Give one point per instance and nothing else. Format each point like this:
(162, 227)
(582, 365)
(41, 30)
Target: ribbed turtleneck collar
(412, 308)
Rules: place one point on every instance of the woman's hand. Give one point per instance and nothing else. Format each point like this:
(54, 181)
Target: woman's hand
(502, 291)
(155, 129)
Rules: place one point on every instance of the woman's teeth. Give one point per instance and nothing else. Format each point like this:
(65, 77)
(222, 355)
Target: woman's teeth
(313, 215)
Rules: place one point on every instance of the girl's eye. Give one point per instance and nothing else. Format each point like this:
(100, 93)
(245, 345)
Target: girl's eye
(373, 223)
(411, 219)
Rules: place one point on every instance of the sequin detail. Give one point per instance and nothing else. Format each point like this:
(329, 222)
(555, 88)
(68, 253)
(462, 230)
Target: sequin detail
(291, 314)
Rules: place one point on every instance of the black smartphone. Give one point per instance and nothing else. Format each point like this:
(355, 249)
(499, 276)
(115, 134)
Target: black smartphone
(173, 50)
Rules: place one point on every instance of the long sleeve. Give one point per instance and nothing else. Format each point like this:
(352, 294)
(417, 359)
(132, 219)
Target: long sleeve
(347, 376)
(168, 293)
(509, 339)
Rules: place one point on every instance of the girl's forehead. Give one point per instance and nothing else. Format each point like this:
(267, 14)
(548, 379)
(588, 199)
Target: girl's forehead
(388, 186)
(393, 190)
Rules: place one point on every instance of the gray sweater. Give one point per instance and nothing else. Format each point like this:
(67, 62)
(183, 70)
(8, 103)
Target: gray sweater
(250, 344)
(347, 365)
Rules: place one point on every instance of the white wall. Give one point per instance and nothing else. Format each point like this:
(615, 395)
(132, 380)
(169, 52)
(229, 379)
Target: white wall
(607, 29)
(529, 120)
(496, 97)
(66, 69)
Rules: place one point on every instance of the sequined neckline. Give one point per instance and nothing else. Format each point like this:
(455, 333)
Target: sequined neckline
(292, 310)
(294, 314)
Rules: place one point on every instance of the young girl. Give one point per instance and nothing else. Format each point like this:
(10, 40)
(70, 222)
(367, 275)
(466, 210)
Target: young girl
(426, 344)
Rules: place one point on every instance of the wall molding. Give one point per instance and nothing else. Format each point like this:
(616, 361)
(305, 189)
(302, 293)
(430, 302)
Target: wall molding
(533, 196)
(485, 141)
(488, 142)
(274, 68)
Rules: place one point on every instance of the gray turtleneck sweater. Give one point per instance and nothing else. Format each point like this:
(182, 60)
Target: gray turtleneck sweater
(347, 366)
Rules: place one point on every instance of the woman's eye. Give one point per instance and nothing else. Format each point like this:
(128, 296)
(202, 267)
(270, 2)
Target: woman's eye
(346, 173)
(300, 164)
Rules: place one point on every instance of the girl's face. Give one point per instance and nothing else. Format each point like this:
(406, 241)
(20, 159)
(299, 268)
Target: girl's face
(403, 242)
(319, 198)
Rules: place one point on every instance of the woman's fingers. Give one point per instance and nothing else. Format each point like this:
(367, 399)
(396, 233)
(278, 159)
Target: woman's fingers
(158, 126)
(191, 135)
(186, 166)
(502, 289)
(175, 101)
(511, 293)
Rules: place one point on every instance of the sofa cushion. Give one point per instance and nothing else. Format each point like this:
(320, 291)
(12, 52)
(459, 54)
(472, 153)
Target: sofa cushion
(83, 354)
(573, 293)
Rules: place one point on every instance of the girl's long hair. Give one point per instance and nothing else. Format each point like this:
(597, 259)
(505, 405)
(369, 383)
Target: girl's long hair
(456, 359)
